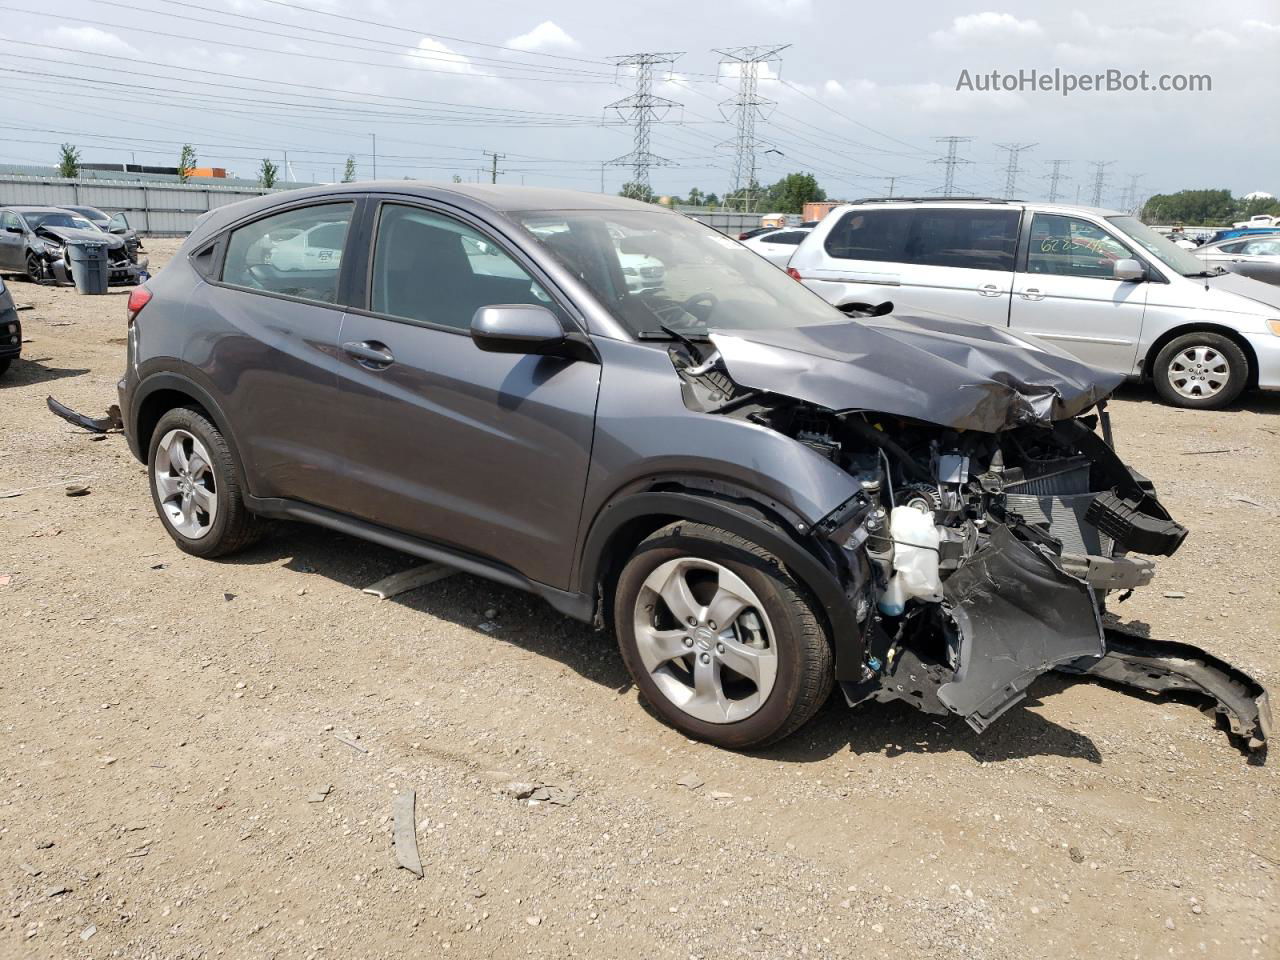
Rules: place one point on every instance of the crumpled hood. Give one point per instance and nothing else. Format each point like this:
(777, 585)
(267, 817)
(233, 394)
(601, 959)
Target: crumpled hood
(71, 234)
(964, 375)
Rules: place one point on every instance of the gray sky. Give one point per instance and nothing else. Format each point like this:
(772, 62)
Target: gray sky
(860, 93)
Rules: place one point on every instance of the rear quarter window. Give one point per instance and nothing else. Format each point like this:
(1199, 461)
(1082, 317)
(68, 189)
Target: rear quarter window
(970, 239)
(879, 235)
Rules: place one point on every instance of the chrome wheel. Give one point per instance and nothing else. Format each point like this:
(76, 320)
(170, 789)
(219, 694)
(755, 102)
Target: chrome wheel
(185, 485)
(705, 640)
(1199, 372)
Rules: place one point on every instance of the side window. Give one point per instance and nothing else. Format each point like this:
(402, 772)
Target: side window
(973, 239)
(433, 269)
(278, 254)
(790, 237)
(1261, 248)
(879, 235)
(1235, 247)
(1070, 247)
(10, 220)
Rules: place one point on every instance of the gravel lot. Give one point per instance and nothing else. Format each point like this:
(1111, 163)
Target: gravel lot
(172, 782)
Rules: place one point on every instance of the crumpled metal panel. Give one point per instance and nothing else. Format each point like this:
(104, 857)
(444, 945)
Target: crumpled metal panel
(951, 372)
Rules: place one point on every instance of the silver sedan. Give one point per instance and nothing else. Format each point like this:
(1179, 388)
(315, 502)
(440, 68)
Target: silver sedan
(1256, 257)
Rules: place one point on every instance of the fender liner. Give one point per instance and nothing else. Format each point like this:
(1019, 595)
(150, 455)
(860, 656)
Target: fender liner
(736, 517)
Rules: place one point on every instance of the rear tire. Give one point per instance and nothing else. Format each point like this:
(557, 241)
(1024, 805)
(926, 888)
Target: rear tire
(195, 486)
(4, 365)
(1200, 371)
(744, 682)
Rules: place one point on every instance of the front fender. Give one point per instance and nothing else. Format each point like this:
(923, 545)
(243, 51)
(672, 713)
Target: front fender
(748, 520)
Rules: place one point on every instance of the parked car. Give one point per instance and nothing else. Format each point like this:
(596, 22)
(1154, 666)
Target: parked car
(1255, 257)
(33, 242)
(777, 246)
(10, 329)
(1100, 284)
(760, 496)
(117, 224)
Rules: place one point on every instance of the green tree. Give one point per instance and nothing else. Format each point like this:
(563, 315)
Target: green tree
(186, 162)
(69, 161)
(637, 191)
(267, 174)
(792, 192)
(1259, 205)
(710, 200)
(696, 197)
(349, 171)
(1201, 207)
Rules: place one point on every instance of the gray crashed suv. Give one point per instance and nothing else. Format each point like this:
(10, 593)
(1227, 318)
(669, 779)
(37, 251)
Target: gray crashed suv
(761, 496)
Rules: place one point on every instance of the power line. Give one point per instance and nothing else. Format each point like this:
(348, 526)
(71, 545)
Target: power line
(746, 108)
(1056, 176)
(950, 162)
(1099, 178)
(1128, 199)
(1011, 169)
(642, 108)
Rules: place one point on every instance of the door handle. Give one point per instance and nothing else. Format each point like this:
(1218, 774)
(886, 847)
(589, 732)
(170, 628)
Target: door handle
(369, 353)
(1032, 293)
(989, 290)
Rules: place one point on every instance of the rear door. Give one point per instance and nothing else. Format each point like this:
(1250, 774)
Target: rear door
(267, 341)
(959, 263)
(1065, 291)
(486, 452)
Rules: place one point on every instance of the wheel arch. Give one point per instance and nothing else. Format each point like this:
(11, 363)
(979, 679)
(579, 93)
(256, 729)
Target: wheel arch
(1149, 363)
(162, 392)
(627, 519)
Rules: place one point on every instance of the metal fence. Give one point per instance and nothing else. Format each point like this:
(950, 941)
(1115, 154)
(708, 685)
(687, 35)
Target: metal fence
(155, 209)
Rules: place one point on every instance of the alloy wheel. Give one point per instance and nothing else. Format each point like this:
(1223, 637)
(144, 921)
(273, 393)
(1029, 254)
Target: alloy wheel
(1199, 372)
(704, 638)
(185, 484)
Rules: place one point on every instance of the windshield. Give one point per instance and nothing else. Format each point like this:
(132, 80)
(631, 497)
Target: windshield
(1163, 249)
(656, 270)
(57, 219)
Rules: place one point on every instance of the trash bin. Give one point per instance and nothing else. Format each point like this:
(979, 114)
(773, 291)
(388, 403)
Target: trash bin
(87, 264)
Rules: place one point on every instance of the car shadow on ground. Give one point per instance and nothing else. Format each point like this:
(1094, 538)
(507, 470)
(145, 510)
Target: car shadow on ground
(26, 371)
(1253, 401)
(527, 622)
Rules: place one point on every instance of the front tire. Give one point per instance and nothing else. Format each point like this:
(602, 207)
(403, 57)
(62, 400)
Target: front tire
(35, 269)
(720, 640)
(1200, 371)
(195, 486)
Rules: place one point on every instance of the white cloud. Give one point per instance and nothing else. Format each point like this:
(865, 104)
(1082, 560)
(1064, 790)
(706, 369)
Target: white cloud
(91, 39)
(834, 88)
(985, 26)
(434, 55)
(794, 9)
(545, 36)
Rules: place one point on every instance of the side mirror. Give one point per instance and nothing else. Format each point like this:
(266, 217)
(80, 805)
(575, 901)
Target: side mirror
(1128, 269)
(13, 228)
(519, 328)
(118, 224)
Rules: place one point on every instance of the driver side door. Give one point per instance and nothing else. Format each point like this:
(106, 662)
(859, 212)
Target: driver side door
(484, 452)
(12, 242)
(1065, 291)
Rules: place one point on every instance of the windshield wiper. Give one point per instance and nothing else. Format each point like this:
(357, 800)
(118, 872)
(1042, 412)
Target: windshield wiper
(1215, 272)
(667, 333)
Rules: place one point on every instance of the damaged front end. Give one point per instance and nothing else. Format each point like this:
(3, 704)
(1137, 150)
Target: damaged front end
(54, 251)
(990, 523)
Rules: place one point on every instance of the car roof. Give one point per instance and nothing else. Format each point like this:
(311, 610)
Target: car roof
(478, 198)
(979, 203)
(22, 209)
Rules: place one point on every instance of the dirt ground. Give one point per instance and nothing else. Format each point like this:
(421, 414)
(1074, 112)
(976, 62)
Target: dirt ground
(173, 785)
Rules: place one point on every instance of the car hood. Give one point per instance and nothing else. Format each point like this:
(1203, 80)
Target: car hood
(964, 375)
(65, 234)
(1265, 293)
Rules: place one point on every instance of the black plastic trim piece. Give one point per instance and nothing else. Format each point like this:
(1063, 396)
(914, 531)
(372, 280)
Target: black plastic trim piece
(578, 606)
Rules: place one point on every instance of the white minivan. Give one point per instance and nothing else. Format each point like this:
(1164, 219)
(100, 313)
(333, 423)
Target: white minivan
(1098, 283)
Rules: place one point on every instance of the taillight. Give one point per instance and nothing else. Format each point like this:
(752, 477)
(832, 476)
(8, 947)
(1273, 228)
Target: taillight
(794, 274)
(138, 299)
